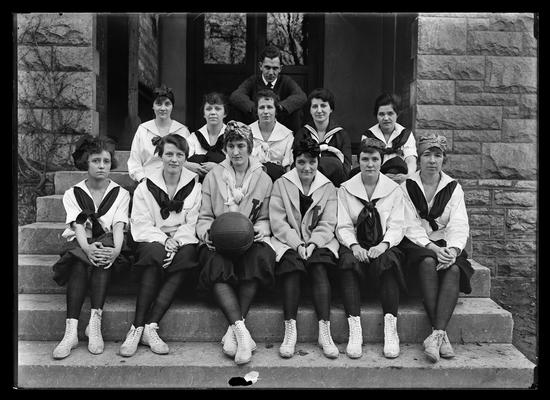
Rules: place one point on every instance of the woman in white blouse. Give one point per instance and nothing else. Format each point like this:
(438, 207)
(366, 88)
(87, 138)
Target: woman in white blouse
(272, 140)
(143, 160)
(399, 162)
(370, 226)
(206, 143)
(436, 234)
(97, 213)
(165, 209)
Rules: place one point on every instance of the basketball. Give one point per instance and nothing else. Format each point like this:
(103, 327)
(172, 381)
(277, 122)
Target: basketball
(232, 233)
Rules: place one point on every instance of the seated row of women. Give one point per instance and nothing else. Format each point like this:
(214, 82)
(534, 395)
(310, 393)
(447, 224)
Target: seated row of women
(273, 142)
(370, 229)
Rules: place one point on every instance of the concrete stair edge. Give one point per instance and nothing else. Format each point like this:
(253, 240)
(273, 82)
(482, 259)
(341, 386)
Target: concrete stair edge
(42, 317)
(202, 365)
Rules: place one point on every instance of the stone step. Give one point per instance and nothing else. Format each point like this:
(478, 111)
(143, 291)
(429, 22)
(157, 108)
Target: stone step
(50, 208)
(40, 238)
(203, 365)
(35, 276)
(63, 180)
(42, 317)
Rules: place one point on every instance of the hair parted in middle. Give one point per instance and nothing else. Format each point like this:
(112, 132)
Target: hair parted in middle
(179, 141)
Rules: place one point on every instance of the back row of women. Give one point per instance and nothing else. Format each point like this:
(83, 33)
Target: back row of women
(313, 217)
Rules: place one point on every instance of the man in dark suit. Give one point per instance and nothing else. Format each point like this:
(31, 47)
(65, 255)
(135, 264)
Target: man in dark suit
(291, 97)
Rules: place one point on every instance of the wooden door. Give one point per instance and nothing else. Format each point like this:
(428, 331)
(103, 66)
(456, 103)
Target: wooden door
(224, 50)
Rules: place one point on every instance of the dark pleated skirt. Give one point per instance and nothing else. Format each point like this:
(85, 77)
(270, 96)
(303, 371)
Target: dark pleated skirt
(291, 261)
(414, 254)
(332, 168)
(257, 262)
(371, 271)
(148, 254)
(71, 252)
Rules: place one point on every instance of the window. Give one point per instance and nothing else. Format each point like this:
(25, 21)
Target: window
(224, 38)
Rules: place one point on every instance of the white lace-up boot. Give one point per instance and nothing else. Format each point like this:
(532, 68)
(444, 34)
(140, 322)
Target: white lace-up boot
(69, 341)
(129, 347)
(93, 332)
(446, 350)
(244, 343)
(432, 344)
(229, 342)
(289, 343)
(325, 340)
(354, 348)
(391, 339)
(151, 338)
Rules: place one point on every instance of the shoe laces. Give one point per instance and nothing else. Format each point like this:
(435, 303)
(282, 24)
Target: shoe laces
(324, 330)
(390, 330)
(438, 337)
(153, 335)
(95, 323)
(355, 331)
(132, 335)
(290, 332)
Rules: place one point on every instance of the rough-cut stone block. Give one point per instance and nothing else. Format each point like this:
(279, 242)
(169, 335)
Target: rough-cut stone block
(435, 92)
(32, 120)
(511, 22)
(468, 183)
(74, 29)
(441, 35)
(530, 45)
(524, 221)
(524, 267)
(477, 136)
(486, 220)
(467, 147)
(450, 67)
(533, 185)
(53, 148)
(463, 166)
(76, 121)
(34, 58)
(511, 75)
(528, 106)
(487, 99)
(57, 89)
(505, 248)
(458, 117)
(74, 59)
(519, 130)
(495, 43)
(496, 183)
(477, 197)
(497, 156)
(469, 86)
(518, 199)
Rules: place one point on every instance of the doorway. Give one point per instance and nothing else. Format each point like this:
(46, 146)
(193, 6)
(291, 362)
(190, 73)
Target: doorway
(225, 50)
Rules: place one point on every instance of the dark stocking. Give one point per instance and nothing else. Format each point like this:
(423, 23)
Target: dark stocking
(166, 296)
(320, 289)
(150, 280)
(228, 301)
(99, 281)
(351, 294)
(429, 286)
(389, 292)
(247, 291)
(448, 296)
(77, 287)
(291, 294)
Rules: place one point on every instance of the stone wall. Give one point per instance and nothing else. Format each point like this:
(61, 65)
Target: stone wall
(476, 83)
(57, 72)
